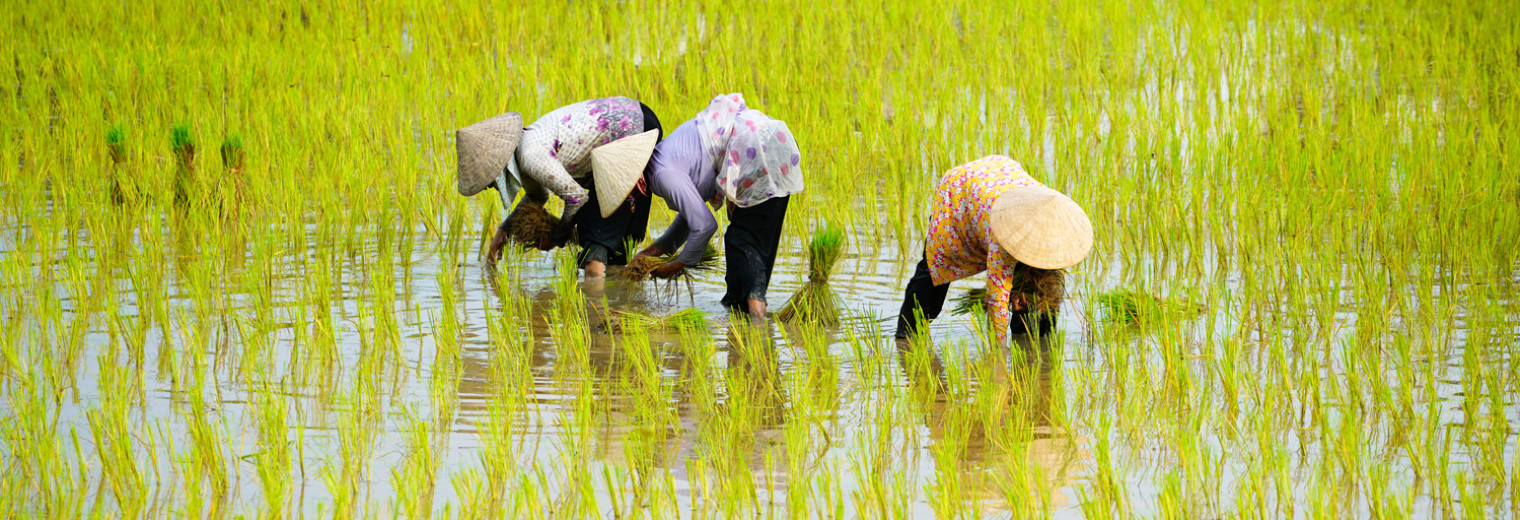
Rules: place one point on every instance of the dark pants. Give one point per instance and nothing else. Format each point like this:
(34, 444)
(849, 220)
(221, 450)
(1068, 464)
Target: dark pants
(929, 299)
(605, 239)
(750, 244)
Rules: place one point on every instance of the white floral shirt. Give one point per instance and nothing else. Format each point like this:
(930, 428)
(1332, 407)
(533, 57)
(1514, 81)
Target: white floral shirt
(556, 149)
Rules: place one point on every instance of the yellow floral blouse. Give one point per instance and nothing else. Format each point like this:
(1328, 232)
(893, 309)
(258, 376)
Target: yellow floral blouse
(960, 241)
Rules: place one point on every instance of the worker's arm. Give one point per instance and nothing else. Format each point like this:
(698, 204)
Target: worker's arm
(667, 241)
(537, 161)
(999, 285)
(694, 223)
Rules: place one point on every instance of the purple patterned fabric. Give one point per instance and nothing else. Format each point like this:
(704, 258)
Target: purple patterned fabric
(556, 149)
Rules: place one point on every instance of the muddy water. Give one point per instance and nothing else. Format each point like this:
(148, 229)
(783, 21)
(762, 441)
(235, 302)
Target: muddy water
(869, 282)
(867, 376)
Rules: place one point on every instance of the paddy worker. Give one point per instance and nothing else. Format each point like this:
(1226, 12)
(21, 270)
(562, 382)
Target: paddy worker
(990, 215)
(589, 153)
(735, 157)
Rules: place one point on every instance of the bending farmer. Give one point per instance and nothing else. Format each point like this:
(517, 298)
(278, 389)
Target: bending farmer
(588, 153)
(989, 215)
(734, 153)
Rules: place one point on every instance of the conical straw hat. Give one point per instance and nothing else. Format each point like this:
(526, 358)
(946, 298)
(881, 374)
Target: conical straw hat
(484, 149)
(1041, 227)
(617, 166)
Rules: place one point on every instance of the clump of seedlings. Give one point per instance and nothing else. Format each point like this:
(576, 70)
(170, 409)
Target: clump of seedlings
(233, 156)
(1035, 299)
(529, 223)
(815, 302)
(639, 269)
(689, 318)
(186, 183)
(1134, 307)
(122, 190)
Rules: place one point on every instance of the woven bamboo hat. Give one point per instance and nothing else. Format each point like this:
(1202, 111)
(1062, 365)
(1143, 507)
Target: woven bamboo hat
(1041, 227)
(617, 166)
(484, 149)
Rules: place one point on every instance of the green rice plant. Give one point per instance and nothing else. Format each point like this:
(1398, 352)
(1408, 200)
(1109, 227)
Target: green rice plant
(116, 145)
(689, 318)
(123, 188)
(232, 187)
(638, 269)
(232, 153)
(815, 302)
(1126, 306)
(973, 303)
(186, 178)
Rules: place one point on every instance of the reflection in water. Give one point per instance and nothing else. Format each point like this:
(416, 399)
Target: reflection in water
(999, 431)
(709, 416)
(506, 391)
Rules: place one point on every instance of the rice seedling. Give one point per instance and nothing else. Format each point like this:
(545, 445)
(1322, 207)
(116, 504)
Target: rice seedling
(530, 223)
(815, 302)
(123, 188)
(1131, 307)
(639, 268)
(186, 178)
(682, 320)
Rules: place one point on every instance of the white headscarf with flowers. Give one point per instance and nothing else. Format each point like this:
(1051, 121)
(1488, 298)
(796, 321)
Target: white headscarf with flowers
(755, 156)
(716, 124)
(762, 161)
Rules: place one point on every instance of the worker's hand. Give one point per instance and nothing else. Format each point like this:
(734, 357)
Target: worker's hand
(652, 250)
(498, 242)
(544, 243)
(668, 269)
(1017, 302)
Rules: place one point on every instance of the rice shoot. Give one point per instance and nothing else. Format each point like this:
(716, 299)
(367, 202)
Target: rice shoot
(1131, 306)
(815, 302)
(116, 146)
(639, 269)
(689, 318)
(529, 223)
(184, 155)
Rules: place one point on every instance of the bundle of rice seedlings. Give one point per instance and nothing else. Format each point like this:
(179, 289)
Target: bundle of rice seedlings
(686, 319)
(183, 145)
(184, 155)
(815, 302)
(1043, 290)
(232, 160)
(529, 223)
(638, 269)
(972, 303)
(116, 143)
(1130, 306)
(121, 190)
(232, 154)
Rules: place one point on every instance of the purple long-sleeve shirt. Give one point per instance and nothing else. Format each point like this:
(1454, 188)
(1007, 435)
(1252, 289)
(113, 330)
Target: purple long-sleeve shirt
(684, 175)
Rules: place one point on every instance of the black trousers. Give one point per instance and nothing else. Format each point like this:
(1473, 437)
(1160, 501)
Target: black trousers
(750, 244)
(605, 239)
(923, 296)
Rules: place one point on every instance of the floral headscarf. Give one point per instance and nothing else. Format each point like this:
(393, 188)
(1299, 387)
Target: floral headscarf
(762, 160)
(716, 124)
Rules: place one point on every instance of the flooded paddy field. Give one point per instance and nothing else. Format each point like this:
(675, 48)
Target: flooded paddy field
(1301, 302)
